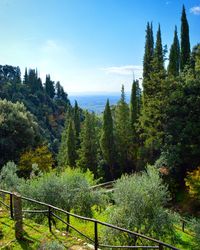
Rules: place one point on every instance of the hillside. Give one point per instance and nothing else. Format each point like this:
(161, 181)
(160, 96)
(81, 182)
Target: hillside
(46, 101)
(36, 236)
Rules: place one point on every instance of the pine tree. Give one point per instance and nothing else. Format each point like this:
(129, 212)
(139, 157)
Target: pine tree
(71, 145)
(88, 148)
(107, 139)
(123, 134)
(174, 56)
(185, 41)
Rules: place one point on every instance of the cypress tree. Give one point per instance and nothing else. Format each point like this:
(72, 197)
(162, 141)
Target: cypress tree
(123, 134)
(71, 145)
(49, 86)
(77, 122)
(185, 41)
(134, 103)
(58, 90)
(25, 81)
(88, 147)
(174, 56)
(107, 139)
(158, 59)
(148, 54)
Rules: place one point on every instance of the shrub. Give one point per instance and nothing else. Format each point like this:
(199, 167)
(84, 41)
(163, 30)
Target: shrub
(8, 177)
(139, 206)
(192, 181)
(53, 245)
(68, 190)
(196, 229)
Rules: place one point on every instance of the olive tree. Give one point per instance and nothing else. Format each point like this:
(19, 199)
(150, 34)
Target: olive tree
(140, 201)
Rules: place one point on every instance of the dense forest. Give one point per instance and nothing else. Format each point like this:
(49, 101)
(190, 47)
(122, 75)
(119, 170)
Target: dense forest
(39, 128)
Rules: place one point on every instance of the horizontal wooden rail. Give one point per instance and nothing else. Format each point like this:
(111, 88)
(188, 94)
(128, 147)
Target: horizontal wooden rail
(52, 208)
(133, 247)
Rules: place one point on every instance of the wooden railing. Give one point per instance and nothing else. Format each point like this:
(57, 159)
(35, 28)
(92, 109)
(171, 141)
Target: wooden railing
(51, 210)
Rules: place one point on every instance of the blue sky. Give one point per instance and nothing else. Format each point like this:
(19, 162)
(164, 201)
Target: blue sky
(88, 45)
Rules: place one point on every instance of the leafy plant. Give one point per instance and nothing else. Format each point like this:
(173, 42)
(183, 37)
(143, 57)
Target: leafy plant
(139, 206)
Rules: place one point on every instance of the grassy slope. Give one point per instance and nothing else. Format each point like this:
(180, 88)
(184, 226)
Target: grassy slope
(34, 235)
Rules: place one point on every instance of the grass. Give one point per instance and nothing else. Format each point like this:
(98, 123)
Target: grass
(34, 235)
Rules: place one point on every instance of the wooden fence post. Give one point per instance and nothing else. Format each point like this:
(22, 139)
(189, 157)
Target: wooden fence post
(18, 216)
(68, 222)
(11, 206)
(96, 243)
(49, 218)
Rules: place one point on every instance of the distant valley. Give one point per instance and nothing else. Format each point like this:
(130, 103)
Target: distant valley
(96, 103)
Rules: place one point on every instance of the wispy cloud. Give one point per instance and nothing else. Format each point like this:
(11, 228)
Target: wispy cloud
(51, 45)
(195, 10)
(135, 70)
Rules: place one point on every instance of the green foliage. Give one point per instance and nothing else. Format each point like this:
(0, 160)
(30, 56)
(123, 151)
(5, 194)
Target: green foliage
(71, 145)
(158, 57)
(8, 177)
(68, 190)
(192, 181)
(89, 144)
(53, 245)
(123, 134)
(174, 56)
(196, 229)
(49, 86)
(107, 139)
(185, 41)
(148, 54)
(40, 156)
(77, 122)
(139, 206)
(48, 110)
(19, 130)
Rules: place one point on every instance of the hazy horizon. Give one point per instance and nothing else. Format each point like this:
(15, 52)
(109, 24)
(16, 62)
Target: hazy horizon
(91, 45)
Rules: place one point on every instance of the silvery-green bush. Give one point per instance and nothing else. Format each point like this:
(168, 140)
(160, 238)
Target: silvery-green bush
(53, 245)
(69, 190)
(140, 201)
(8, 177)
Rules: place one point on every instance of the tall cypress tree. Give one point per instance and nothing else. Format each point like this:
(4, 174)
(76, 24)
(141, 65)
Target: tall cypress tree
(135, 103)
(25, 81)
(107, 139)
(71, 145)
(158, 59)
(77, 123)
(185, 41)
(148, 54)
(89, 144)
(123, 134)
(151, 119)
(174, 56)
(49, 86)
